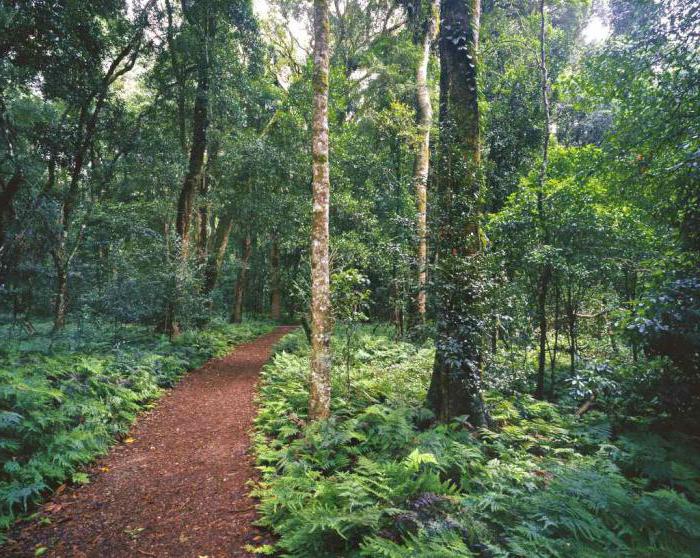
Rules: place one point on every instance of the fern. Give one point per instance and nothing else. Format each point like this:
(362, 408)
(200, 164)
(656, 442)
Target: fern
(378, 479)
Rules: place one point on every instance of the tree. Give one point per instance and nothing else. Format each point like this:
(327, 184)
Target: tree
(320, 396)
(455, 386)
(422, 162)
(546, 273)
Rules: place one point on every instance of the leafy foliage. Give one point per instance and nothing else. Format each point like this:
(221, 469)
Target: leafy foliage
(380, 478)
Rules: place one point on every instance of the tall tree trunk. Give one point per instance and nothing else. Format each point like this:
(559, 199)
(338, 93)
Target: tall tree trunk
(320, 392)
(179, 75)
(193, 178)
(546, 272)
(422, 163)
(275, 294)
(239, 291)
(542, 289)
(455, 386)
(571, 309)
(217, 251)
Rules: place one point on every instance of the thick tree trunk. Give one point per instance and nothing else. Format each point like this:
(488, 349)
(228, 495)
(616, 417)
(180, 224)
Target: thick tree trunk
(193, 178)
(320, 386)
(217, 251)
(8, 191)
(239, 291)
(422, 163)
(455, 387)
(275, 294)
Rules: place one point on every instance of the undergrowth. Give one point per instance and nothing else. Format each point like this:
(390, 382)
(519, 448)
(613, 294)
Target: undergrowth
(381, 479)
(62, 404)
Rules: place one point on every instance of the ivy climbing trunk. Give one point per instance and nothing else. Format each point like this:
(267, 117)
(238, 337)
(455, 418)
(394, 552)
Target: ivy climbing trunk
(455, 387)
(320, 388)
(422, 163)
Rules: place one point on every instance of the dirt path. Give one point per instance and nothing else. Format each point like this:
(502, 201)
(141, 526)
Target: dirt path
(178, 486)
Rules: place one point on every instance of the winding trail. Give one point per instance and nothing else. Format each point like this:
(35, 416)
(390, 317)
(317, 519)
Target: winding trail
(177, 486)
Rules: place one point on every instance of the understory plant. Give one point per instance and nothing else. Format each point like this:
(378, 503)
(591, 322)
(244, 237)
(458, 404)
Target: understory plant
(382, 479)
(61, 405)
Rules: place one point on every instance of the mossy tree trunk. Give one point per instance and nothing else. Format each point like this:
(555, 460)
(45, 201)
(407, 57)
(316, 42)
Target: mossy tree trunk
(422, 163)
(320, 388)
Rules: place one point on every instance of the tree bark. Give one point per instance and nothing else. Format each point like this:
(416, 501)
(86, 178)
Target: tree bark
(8, 191)
(239, 291)
(455, 387)
(206, 183)
(61, 302)
(217, 251)
(193, 178)
(422, 163)
(275, 294)
(320, 387)
(546, 272)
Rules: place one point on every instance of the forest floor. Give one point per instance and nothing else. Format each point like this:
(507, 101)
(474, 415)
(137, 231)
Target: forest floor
(176, 486)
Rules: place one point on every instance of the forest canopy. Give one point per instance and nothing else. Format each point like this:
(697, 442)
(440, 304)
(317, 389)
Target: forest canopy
(497, 201)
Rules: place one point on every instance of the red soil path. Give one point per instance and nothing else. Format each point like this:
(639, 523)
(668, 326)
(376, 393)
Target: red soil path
(179, 488)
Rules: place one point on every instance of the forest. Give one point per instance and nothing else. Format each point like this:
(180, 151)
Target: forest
(378, 278)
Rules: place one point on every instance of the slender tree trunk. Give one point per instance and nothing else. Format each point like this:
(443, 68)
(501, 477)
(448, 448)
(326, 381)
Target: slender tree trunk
(61, 302)
(217, 251)
(275, 295)
(571, 326)
(553, 358)
(179, 76)
(542, 289)
(546, 272)
(455, 387)
(239, 291)
(320, 384)
(422, 163)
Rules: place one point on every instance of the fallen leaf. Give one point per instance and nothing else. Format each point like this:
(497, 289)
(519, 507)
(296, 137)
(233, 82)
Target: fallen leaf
(52, 507)
(104, 469)
(129, 440)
